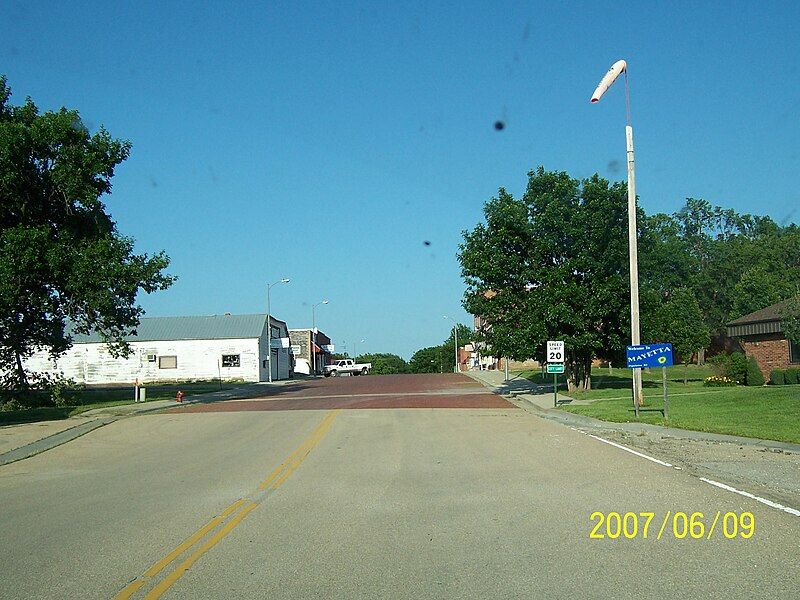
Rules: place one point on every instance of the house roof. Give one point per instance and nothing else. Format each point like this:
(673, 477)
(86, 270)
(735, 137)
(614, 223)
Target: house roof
(212, 327)
(770, 313)
(764, 321)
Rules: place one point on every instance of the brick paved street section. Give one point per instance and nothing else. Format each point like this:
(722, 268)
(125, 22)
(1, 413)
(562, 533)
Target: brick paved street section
(378, 391)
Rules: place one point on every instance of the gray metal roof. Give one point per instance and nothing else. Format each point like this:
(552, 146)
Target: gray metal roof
(213, 327)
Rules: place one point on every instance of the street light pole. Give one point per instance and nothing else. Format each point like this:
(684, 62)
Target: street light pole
(269, 327)
(354, 348)
(616, 69)
(313, 370)
(455, 339)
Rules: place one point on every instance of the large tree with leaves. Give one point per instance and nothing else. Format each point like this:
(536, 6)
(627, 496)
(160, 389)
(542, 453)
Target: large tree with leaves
(62, 259)
(552, 265)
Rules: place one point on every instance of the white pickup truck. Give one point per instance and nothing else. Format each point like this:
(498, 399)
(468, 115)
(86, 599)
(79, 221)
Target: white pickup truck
(346, 365)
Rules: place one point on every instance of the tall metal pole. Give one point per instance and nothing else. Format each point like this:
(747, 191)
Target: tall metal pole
(314, 335)
(455, 333)
(269, 338)
(313, 369)
(269, 326)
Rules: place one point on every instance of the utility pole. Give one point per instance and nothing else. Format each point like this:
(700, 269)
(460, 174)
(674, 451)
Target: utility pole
(615, 71)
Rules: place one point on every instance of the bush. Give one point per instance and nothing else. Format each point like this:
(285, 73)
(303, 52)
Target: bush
(732, 366)
(66, 392)
(754, 376)
(792, 375)
(737, 369)
(776, 377)
(719, 381)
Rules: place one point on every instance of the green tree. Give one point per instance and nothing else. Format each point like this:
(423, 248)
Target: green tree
(790, 319)
(681, 323)
(432, 359)
(384, 364)
(62, 258)
(553, 265)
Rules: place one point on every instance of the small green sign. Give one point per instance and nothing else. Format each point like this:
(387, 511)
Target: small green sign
(555, 368)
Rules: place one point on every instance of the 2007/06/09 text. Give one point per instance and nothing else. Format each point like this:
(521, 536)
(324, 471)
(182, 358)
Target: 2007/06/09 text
(678, 525)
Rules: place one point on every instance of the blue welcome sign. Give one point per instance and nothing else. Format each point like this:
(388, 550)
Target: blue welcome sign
(649, 355)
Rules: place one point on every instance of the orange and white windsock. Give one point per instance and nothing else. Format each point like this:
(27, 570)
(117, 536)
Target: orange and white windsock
(609, 78)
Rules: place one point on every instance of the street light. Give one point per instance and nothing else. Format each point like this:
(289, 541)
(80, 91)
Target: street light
(269, 327)
(455, 339)
(314, 330)
(609, 78)
(354, 348)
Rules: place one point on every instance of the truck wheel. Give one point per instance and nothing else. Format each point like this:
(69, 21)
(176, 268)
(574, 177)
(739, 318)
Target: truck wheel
(364, 371)
(334, 373)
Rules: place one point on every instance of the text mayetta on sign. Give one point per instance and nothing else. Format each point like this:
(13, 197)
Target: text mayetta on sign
(555, 352)
(649, 355)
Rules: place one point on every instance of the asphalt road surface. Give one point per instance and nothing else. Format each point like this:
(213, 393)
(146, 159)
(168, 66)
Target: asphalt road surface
(376, 487)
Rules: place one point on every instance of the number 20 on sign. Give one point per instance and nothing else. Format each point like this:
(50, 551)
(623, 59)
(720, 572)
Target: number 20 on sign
(555, 352)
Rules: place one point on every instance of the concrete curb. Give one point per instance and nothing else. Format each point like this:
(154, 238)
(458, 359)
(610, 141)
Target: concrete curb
(67, 435)
(53, 441)
(569, 418)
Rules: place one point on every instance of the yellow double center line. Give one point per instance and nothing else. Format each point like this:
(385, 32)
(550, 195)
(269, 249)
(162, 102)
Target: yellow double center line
(239, 509)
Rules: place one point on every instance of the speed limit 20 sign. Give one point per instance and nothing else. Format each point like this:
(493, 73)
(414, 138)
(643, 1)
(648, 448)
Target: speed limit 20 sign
(555, 352)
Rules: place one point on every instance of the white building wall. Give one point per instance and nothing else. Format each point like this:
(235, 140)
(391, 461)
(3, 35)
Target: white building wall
(196, 359)
(280, 356)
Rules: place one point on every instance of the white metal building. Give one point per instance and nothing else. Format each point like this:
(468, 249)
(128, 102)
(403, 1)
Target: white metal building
(227, 347)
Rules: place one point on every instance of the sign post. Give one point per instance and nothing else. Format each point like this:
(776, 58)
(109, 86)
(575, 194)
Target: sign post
(555, 365)
(651, 355)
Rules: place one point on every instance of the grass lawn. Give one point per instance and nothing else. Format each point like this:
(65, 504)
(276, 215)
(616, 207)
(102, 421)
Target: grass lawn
(92, 398)
(771, 412)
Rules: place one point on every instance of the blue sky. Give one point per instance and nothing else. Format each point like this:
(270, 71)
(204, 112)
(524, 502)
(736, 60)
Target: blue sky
(327, 142)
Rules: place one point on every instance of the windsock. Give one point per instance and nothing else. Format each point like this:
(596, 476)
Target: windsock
(608, 79)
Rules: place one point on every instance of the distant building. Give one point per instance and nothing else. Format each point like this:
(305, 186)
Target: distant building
(303, 347)
(226, 347)
(760, 335)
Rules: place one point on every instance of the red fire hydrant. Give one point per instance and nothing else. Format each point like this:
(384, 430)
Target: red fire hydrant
(179, 396)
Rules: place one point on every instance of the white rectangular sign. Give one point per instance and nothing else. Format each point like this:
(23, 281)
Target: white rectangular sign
(555, 352)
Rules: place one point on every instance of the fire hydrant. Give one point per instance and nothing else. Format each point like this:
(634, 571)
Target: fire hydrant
(179, 396)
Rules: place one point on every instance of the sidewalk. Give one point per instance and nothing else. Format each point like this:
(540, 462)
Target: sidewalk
(540, 396)
(28, 439)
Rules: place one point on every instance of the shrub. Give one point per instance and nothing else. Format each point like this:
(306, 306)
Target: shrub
(792, 375)
(733, 366)
(718, 381)
(754, 376)
(776, 377)
(737, 368)
(66, 392)
(719, 364)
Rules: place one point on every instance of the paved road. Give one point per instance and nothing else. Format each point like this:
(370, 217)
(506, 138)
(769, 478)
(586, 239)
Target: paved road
(369, 487)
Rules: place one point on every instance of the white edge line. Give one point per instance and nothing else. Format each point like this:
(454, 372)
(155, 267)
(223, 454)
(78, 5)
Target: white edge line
(791, 511)
(621, 447)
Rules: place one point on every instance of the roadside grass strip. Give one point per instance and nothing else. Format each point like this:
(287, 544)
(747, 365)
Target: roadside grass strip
(770, 503)
(786, 509)
(220, 526)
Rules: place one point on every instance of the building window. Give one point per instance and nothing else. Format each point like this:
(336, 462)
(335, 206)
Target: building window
(151, 358)
(167, 362)
(794, 352)
(231, 360)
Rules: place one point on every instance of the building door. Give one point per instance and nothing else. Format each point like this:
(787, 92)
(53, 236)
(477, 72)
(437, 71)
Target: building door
(273, 364)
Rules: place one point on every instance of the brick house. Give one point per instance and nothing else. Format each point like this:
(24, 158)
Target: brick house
(760, 335)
